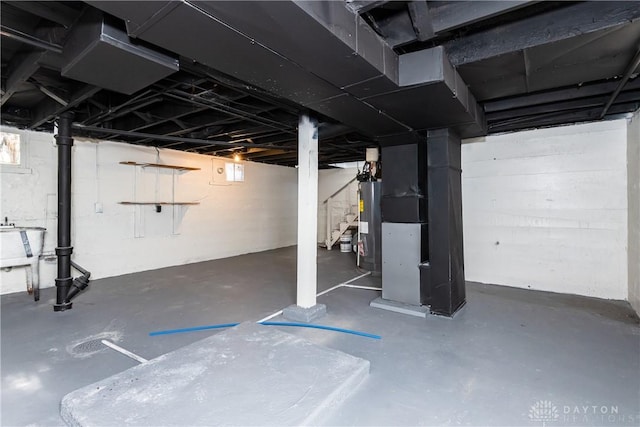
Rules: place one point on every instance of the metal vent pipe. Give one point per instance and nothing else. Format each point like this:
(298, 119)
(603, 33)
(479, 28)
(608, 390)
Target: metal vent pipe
(66, 287)
(64, 248)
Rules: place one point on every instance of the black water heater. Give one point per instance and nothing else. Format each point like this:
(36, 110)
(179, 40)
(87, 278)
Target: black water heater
(369, 243)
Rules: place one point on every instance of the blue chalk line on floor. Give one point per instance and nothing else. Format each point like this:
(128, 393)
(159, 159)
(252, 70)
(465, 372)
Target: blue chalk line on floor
(291, 324)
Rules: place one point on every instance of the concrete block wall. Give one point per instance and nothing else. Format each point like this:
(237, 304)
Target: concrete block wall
(547, 209)
(232, 218)
(633, 173)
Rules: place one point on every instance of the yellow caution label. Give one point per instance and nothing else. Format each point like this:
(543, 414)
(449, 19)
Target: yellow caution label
(361, 205)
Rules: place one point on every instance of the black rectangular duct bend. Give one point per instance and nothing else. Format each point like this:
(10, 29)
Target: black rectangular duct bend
(66, 287)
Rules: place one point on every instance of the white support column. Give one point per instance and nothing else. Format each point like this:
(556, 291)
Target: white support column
(307, 211)
(329, 224)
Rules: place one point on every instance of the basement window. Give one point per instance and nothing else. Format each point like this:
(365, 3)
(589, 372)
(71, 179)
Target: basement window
(234, 172)
(10, 149)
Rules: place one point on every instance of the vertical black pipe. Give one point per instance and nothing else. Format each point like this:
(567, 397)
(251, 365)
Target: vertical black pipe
(64, 248)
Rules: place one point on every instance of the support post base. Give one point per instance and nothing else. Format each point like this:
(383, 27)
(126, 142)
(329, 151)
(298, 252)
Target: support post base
(306, 315)
(399, 307)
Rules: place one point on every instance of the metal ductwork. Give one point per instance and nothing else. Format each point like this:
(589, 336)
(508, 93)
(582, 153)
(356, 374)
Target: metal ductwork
(329, 60)
(99, 51)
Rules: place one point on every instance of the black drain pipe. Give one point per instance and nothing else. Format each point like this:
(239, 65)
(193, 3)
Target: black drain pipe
(66, 287)
(79, 283)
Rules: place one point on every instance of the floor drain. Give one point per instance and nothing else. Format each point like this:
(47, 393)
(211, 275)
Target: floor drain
(93, 344)
(90, 346)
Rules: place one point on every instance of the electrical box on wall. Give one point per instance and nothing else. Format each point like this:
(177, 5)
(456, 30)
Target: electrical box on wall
(217, 172)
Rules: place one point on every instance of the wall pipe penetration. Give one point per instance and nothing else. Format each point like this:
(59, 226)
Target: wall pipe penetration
(67, 287)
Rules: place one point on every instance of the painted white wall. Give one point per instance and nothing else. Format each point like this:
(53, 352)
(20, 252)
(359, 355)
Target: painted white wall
(330, 181)
(633, 172)
(547, 209)
(231, 219)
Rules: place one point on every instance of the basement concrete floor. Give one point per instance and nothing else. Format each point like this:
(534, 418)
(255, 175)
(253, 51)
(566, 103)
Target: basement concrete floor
(511, 357)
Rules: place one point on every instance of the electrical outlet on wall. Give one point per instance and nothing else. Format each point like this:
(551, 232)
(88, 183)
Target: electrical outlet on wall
(98, 207)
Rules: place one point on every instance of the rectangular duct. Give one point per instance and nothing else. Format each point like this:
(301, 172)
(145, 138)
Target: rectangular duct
(442, 281)
(100, 52)
(404, 187)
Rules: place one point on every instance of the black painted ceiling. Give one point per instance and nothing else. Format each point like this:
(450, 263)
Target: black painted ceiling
(527, 63)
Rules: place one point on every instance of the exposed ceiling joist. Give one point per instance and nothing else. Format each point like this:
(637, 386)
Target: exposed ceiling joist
(224, 108)
(555, 118)
(136, 106)
(21, 68)
(202, 124)
(631, 68)
(397, 29)
(557, 107)
(53, 94)
(159, 115)
(144, 117)
(196, 141)
(421, 19)
(193, 127)
(237, 143)
(29, 39)
(363, 6)
(565, 94)
(109, 111)
(548, 27)
(53, 11)
(288, 158)
(263, 154)
(208, 129)
(50, 109)
(449, 16)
